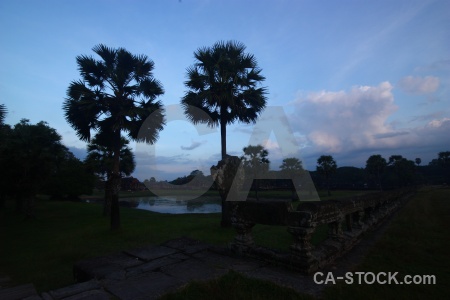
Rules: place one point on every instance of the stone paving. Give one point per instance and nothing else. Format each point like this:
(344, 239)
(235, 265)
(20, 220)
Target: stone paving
(152, 271)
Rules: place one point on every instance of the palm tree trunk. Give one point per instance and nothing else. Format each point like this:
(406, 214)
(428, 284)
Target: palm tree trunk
(223, 135)
(115, 185)
(226, 217)
(108, 199)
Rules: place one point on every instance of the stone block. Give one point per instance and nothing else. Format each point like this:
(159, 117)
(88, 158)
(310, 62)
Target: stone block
(18, 292)
(150, 285)
(74, 289)
(150, 252)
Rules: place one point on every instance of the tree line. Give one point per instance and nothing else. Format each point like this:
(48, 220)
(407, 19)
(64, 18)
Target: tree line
(378, 174)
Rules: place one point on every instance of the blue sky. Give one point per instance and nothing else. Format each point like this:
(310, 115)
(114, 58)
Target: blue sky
(354, 78)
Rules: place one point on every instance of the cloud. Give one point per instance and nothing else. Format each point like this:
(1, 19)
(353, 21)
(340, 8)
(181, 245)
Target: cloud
(352, 125)
(419, 85)
(426, 117)
(439, 123)
(343, 120)
(193, 145)
(79, 153)
(389, 134)
(270, 145)
(162, 167)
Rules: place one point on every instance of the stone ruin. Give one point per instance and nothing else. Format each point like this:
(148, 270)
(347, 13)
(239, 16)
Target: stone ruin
(347, 220)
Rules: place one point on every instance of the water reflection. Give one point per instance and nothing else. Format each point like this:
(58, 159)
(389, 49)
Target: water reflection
(174, 205)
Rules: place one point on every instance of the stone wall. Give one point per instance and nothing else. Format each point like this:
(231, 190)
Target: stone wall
(347, 220)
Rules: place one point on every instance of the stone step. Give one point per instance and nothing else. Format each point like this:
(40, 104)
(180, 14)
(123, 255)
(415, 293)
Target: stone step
(19, 292)
(75, 289)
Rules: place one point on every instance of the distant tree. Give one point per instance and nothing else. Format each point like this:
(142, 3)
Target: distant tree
(100, 160)
(403, 168)
(115, 94)
(152, 179)
(418, 161)
(326, 166)
(196, 173)
(293, 168)
(223, 83)
(3, 112)
(5, 184)
(434, 162)
(444, 161)
(375, 166)
(255, 163)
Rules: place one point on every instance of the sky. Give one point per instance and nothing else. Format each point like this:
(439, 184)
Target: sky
(344, 78)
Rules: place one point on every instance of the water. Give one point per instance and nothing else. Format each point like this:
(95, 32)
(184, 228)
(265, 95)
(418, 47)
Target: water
(174, 205)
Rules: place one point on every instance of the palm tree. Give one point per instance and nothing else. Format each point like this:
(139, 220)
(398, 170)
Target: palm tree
(223, 84)
(292, 167)
(326, 165)
(255, 163)
(117, 93)
(100, 159)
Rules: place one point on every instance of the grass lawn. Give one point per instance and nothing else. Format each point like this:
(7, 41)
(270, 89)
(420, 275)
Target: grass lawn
(416, 243)
(43, 251)
(235, 286)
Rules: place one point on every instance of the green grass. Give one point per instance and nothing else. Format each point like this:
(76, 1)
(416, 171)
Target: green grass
(416, 243)
(235, 286)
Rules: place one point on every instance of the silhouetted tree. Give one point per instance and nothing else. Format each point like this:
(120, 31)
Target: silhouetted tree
(293, 168)
(326, 166)
(115, 94)
(100, 161)
(4, 176)
(34, 151)
(3, 112)
(255, 163)
(223, 84)
(375, 166)
(418, 161)
(70, 178)
(403, 168)
(444, 161)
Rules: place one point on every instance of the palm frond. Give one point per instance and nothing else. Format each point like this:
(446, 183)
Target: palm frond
(116, 93)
